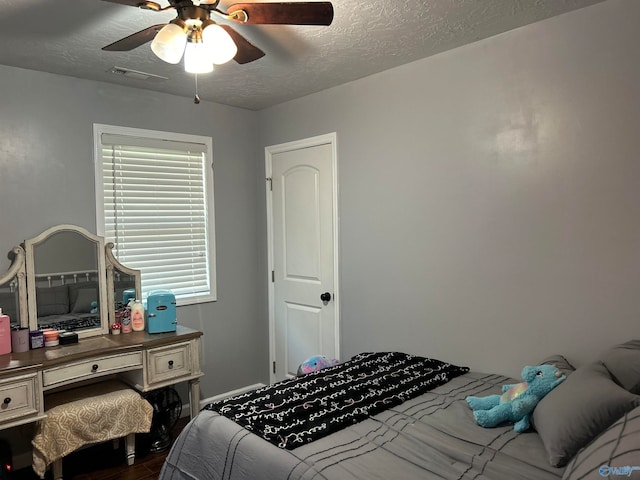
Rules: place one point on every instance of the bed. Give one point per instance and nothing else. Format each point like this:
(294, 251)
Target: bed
(587, 427)
(68, 306)
(69, 301)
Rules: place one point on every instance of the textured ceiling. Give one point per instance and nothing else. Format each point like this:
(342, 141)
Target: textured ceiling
(367, 36)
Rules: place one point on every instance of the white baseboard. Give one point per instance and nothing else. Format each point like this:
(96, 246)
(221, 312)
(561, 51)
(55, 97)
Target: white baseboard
(232, 393)
(221, 396)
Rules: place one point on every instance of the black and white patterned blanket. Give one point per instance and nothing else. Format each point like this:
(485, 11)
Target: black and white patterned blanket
(297, 411)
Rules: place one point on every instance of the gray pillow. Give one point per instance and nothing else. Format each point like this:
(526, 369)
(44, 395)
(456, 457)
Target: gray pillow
(83, 300)
(578, 410)
(623, 363)
(52, 300)
(75, 288)
(617, 447)
(560, 362)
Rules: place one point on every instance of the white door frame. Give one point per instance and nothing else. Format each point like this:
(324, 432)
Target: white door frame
(330, 138)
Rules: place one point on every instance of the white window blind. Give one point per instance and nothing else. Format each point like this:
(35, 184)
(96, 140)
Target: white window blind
(156, 211)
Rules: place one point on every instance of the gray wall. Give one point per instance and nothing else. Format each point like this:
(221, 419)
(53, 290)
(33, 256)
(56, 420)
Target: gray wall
(47, 178)
(489, 195)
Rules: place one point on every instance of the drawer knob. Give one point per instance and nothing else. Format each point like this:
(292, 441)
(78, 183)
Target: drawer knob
(170, 363)
(7, 400)
(94, 367)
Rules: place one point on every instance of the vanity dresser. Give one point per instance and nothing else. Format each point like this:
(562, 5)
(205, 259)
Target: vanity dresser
(145, 361)
(66, 277)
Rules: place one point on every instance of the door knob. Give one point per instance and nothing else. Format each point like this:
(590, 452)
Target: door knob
(325, 297)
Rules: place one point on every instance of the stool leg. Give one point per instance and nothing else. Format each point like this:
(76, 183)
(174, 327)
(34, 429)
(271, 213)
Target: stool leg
(57, 469)
(116, 443)
(130, 447)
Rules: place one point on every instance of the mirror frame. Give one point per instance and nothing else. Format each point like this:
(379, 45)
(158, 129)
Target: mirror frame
(18, 270)
(29, 246)
(114, 264)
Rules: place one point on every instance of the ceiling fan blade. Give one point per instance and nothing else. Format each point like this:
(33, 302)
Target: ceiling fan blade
(247, 52)
(283, 13)
(134, 40)
(138, 3)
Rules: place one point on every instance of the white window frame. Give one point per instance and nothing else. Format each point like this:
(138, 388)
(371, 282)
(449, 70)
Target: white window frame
(99, 130)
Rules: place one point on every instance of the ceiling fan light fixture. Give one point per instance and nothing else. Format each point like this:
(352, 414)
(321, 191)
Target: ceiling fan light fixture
(219, 44)
(169, 43)
(203, 43)
(197, 58)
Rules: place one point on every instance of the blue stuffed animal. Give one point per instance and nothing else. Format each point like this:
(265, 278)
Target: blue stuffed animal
(517, 401)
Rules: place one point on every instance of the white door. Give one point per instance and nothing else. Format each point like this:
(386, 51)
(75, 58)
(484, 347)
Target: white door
(302, 211)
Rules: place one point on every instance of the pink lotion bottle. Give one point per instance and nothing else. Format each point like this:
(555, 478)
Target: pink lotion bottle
(5, 334)
(126, 318)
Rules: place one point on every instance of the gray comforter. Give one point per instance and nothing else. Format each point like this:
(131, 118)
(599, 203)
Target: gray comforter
(432, 436)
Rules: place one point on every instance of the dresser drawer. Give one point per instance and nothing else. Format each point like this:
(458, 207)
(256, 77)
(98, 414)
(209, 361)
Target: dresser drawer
(18, 398)
(166, 363)
(93, 367)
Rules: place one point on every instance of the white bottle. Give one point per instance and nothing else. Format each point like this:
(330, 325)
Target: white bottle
(137, 316)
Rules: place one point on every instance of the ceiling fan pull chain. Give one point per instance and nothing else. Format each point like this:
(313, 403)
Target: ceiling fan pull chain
(196, 99)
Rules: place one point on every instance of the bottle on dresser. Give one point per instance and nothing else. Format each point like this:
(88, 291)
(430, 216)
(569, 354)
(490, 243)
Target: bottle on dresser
(126, 318)
(137, 316)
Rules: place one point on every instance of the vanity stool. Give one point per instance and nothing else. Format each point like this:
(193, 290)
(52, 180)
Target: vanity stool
(87, 415)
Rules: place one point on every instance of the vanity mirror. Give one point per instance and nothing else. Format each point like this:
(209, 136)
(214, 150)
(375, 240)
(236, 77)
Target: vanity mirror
(66, 281)
(120, 279)
(13, 289)
(66, 278)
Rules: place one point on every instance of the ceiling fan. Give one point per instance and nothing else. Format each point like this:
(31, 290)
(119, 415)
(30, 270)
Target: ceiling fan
(202, 42)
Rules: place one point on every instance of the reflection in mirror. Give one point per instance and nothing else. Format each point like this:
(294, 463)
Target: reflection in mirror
(121, 280)
(13, 289)
(10, 301)
(66, 278)
(123, 286)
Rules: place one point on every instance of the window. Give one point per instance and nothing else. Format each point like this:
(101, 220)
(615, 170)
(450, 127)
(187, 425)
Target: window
(154, 197)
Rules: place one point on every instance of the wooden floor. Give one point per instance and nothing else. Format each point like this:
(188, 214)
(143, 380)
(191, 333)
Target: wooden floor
(102, 462)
